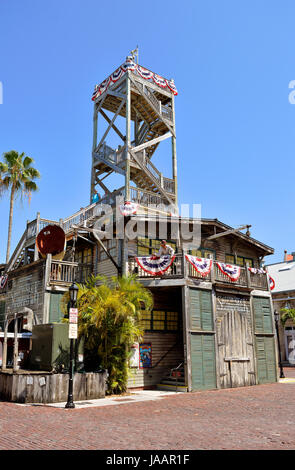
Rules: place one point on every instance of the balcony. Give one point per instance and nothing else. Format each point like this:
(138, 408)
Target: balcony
(182, 269)
(64, 273)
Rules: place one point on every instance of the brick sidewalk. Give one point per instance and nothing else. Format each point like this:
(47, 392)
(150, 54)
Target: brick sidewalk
(258, 417)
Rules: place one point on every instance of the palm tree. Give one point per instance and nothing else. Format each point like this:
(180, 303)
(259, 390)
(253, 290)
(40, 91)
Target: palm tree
(109, 321)
(18, 175)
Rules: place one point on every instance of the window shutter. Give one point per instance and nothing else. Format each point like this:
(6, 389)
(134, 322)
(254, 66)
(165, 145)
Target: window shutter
(203, 362)
(201, 310)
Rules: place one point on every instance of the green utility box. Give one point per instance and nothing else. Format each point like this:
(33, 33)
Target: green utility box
(51, 348)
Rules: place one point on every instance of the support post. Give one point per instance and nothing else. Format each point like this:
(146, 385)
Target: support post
(15, 344)
(128, 116)
(4, 355)
(174, 156)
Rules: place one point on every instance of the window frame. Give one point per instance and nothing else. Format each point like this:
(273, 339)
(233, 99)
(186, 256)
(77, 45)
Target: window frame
(151, 321)
(244, 258)
(152, 247)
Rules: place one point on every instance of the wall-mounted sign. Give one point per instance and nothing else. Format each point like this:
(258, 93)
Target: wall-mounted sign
(145, 353)
(134, 356)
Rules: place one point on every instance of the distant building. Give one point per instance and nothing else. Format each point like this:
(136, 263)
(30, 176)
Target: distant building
(283, 295)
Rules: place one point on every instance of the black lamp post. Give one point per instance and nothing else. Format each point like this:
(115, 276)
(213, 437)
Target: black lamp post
(72, 304)
(277, 318)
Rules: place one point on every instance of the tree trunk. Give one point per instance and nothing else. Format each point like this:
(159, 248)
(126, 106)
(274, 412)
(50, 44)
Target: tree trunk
(10, 223)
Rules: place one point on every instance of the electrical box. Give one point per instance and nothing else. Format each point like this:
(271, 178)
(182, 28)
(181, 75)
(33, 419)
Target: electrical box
(51, 348)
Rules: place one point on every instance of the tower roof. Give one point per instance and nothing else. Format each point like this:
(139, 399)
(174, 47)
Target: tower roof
(130, 65)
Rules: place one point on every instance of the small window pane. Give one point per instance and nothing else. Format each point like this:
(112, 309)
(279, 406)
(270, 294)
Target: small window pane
(230, 259)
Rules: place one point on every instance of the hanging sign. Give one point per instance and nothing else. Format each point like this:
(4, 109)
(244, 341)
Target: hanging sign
(155, 265)
(73, 330)
(230, 270)
(201, 265)
(73, 315)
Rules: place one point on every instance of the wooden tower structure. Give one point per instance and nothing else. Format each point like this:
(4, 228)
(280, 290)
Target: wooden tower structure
(145, 101)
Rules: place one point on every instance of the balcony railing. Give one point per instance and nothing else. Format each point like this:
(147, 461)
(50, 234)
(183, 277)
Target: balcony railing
(181, 268)
(66, 272)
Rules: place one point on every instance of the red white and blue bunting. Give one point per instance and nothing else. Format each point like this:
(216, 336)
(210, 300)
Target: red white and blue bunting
(154, 265)
(128, 208)
(143, 72)
(256, 270)
(3, 280)
(230, 270)
(272, 283)
(202, 265)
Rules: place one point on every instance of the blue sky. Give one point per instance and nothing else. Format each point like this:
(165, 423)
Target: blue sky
(232, 63)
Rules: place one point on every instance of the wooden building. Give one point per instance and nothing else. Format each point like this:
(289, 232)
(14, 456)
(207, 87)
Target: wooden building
(283, 296)
(207, 330)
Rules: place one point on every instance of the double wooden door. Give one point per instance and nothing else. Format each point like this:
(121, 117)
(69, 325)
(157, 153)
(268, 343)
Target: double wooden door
(235, 350)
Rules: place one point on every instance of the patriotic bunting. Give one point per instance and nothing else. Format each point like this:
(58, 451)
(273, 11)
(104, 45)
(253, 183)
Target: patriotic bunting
(154, 265)
(143, 72)
(159, 80)
(231, 271)
(3, 280)
(117, 75)
(272, 283)
(201, 265)
(257, 271)
(128, 208)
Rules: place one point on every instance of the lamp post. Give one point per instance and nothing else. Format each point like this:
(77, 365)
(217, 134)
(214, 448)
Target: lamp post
(72, 305)
(277, 318)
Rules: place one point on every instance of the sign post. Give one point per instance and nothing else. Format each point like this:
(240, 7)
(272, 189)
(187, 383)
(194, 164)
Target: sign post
(73, 335)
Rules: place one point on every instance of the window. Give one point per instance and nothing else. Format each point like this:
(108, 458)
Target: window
(203, 253)
(160, 320)
(240, 261)
(111, 246)
(84, 256)
(149, 246)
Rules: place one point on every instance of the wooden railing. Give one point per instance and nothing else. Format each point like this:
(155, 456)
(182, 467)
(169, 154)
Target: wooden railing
(181, 268)
(147, 198)
(66, 272)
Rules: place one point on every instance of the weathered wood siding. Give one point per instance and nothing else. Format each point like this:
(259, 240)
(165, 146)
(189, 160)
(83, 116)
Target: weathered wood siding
(161, 343)
(50, 388)
(25, 288)
(234, 341)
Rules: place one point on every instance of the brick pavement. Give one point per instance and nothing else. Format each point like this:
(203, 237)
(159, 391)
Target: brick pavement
(258, 417)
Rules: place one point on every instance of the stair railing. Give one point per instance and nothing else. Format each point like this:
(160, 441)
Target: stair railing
(173, 370)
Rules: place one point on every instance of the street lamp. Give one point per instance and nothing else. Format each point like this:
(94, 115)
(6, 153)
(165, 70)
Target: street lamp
(277, 318)
(72, 305)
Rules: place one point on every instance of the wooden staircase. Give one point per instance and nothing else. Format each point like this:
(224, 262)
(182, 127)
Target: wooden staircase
(174, 381)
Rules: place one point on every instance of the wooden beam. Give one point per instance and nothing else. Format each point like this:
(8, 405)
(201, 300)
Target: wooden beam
(152, 142)
(227, 232)
(113, 125)
(110, 126)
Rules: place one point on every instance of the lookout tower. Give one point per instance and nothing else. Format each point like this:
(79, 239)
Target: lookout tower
(137, 105)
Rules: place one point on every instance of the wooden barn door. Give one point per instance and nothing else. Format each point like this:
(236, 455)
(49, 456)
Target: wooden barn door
(235, 350)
